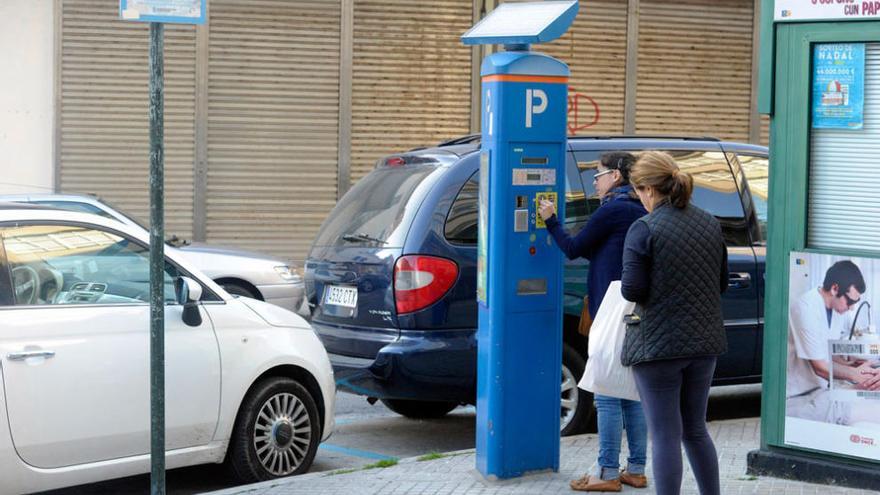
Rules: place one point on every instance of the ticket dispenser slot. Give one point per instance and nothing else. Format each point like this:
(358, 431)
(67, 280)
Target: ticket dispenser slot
(531, 287)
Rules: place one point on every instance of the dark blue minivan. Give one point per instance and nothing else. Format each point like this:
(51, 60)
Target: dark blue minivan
(391, 277)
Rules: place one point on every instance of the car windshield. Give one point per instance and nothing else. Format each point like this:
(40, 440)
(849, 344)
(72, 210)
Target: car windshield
(172, 240)
(83, 206)
(374, 211)
(131, 218)
(76, 205)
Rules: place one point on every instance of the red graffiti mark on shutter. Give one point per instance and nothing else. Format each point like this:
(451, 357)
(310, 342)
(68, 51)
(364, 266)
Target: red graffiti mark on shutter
(583, 112)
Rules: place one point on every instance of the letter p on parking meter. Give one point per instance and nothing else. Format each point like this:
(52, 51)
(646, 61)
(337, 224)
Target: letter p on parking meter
(519, 270)
(531, 107)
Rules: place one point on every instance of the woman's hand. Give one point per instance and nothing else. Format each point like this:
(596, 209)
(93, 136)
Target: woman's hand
(547, 209)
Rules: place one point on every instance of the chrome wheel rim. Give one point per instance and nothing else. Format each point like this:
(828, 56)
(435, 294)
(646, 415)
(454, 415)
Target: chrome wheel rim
(569, 397)
(282, 434)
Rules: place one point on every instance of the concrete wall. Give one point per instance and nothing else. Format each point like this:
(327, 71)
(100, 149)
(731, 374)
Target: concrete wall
(27, 106)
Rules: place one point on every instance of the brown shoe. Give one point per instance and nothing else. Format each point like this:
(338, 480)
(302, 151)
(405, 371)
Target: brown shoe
(634, 480)
(593, 484)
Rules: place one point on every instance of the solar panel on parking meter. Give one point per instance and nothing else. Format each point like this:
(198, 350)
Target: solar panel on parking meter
(519, 271)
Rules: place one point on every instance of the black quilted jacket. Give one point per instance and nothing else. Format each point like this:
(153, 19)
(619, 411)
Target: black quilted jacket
(682, 267)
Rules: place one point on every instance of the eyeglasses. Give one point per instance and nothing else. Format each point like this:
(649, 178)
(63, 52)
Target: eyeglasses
(850, 301)
(600, 174)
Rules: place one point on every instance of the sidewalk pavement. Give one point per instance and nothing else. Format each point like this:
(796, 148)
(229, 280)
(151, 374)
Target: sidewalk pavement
(455, 473)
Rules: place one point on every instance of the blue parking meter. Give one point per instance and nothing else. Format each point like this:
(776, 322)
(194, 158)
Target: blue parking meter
(519, 270)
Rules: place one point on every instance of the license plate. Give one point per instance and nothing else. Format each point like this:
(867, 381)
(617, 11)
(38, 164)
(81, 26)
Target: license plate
(341, 296)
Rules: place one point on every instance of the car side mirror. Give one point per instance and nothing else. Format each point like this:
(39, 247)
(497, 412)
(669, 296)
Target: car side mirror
(189, 293)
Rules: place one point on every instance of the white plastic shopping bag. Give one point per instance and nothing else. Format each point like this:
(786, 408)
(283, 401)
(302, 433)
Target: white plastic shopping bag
(604, 375)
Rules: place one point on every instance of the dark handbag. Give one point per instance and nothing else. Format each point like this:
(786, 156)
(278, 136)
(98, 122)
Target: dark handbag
(585, 322)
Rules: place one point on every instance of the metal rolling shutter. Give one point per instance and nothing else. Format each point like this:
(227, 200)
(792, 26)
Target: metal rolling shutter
(765, 130)
(104, 124)
(845, 176)
(595, 50)
(411, 76)
(273, 110)
(695, 67)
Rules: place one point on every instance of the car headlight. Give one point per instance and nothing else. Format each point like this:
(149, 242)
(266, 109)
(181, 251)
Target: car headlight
(287, 273)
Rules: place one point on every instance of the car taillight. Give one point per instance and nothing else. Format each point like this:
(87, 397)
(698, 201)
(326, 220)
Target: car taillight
(395, 161)
(420, 281)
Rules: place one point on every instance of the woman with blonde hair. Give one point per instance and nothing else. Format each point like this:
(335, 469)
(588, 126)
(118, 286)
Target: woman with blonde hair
(674, 269)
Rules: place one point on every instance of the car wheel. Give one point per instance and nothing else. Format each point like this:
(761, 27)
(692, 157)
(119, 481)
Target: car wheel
(238, 290)
(420, 409)
(276, 433)
(578, 413)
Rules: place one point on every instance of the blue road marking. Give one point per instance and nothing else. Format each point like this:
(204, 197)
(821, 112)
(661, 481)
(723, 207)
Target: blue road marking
(355, 452)
(354, 388)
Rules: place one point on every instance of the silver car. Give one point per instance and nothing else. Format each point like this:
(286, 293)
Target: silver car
(241, 273)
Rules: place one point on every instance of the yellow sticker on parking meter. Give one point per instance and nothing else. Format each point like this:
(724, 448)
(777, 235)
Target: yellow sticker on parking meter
(549, 196)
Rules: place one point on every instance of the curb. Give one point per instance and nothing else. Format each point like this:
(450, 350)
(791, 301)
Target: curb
(263, 485)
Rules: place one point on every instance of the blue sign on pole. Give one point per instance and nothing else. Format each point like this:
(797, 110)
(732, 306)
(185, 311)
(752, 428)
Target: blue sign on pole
(519, 279)
(839, 86)
(174, 11)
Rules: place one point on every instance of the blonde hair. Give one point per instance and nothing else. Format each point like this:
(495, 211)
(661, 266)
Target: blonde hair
(658, 170)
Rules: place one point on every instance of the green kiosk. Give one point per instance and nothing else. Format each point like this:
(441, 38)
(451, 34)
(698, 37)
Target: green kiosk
(820, 83)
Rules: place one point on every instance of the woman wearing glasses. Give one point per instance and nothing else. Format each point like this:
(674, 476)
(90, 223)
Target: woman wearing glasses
(601, 242)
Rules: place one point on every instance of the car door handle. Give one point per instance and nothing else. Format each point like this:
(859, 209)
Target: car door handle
(739, 280)
(21, 356)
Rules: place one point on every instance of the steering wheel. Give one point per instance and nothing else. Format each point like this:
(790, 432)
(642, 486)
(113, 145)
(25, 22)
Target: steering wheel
(52, 288)
(28, 284)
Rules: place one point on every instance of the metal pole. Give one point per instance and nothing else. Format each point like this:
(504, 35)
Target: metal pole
(157, 261)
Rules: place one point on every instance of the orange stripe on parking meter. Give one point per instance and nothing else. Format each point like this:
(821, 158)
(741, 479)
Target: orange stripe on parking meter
(517, 78)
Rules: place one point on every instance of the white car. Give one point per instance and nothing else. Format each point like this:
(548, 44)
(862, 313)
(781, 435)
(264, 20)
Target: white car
(247, 383)
(240, 272)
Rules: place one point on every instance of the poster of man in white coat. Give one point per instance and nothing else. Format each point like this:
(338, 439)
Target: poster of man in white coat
(833, 364)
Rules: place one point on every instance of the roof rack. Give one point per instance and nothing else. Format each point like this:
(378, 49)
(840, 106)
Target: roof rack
(648, 136)
(475, 138)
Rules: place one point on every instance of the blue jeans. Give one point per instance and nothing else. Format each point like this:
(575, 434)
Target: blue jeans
(615, 415)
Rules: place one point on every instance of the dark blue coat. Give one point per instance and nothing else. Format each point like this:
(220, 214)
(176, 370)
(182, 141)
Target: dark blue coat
(601, 241)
